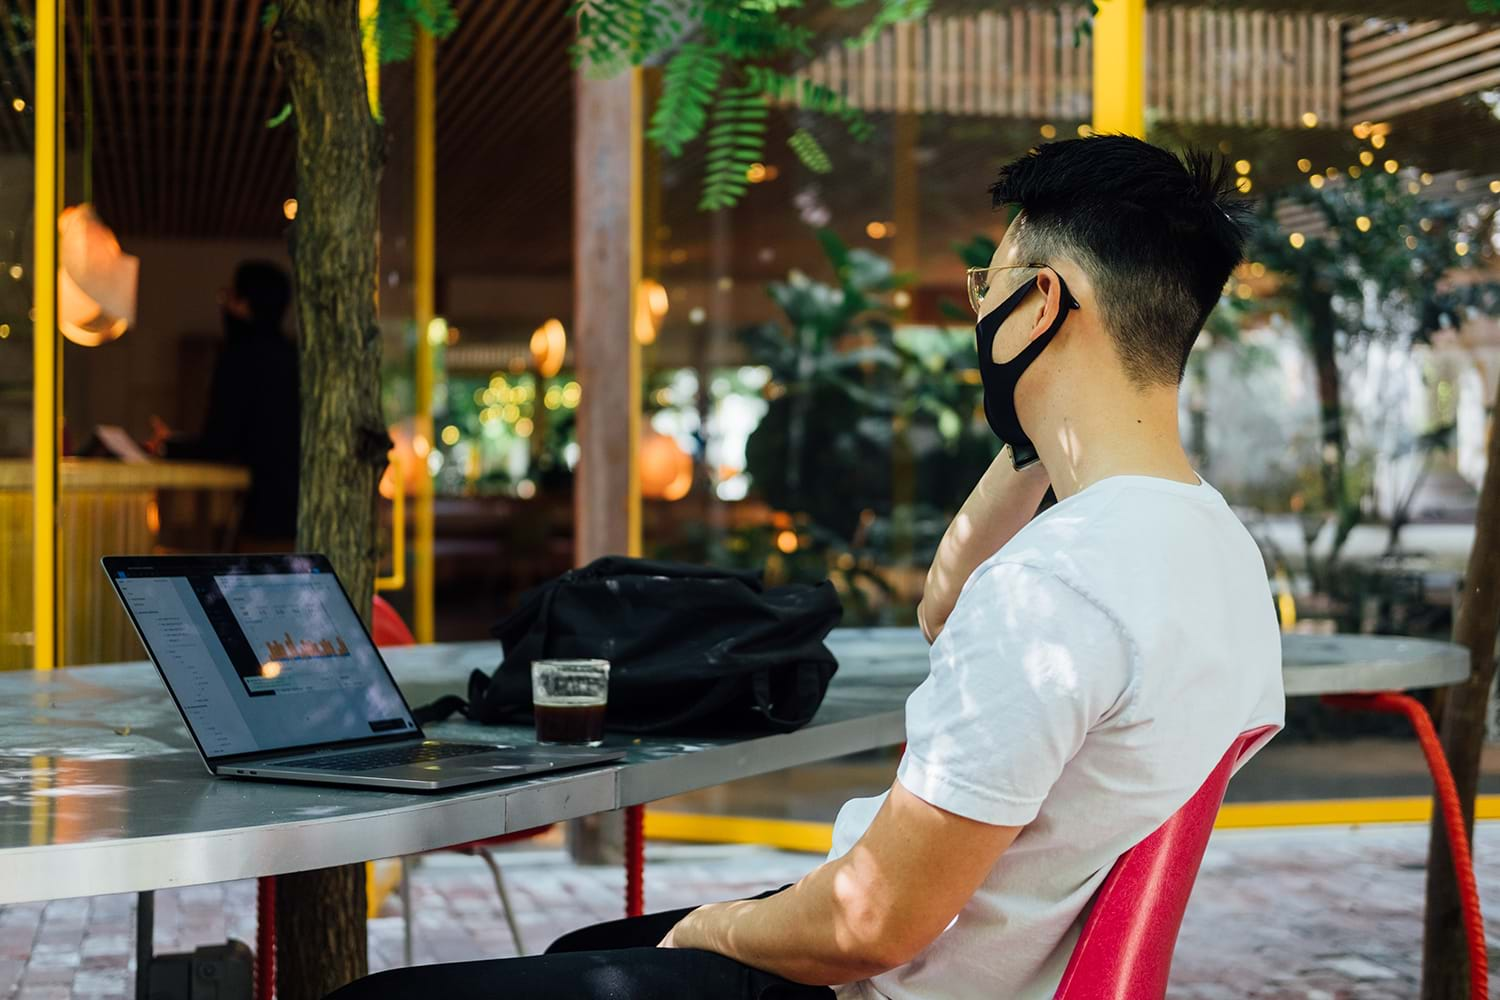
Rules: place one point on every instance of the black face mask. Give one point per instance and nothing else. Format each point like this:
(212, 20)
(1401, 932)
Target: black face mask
(1000, 379)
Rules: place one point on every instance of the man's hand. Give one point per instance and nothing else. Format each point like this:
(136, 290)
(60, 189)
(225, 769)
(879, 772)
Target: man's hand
(1000, 505)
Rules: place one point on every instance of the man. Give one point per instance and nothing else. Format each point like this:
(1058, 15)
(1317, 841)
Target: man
(1089, 667)
(254, 407)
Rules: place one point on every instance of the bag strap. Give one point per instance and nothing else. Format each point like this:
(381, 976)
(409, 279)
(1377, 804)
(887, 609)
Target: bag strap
(441, 709)
(807, 680)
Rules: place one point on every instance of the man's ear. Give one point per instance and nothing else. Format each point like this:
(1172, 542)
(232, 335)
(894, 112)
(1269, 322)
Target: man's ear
(1048, 295)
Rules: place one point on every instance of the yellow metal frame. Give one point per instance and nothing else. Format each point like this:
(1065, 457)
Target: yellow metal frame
(424, 252)
(46, 407)
(817, 838)
(397, 578)
(1119, 89)
(636, 261)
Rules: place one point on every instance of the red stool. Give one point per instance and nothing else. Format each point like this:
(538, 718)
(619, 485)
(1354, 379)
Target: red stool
(1124, 951)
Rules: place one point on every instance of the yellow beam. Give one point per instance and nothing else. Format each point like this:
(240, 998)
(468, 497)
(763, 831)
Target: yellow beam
(46, 405)
(817, 838)
(636, 252)
(424, 250)
(1119, 67)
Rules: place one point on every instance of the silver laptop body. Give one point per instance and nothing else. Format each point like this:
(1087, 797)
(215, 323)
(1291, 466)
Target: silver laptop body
(276, 678)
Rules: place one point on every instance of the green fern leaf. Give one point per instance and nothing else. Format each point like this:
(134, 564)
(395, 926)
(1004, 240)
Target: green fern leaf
(688, 85)
(736, 140)
(810, 151)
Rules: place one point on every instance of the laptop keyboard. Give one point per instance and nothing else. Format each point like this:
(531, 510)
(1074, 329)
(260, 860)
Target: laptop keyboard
(374, 760)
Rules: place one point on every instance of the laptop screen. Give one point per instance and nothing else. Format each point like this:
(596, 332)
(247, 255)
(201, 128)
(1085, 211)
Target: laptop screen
(260, 653)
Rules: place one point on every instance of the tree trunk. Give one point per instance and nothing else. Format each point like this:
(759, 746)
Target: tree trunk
(1462, 709)
(321, 914)
(1332, 457)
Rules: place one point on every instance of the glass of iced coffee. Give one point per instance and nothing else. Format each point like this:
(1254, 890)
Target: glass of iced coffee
(568, 700)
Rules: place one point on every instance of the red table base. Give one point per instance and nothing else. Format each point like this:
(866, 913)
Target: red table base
(1446, 793)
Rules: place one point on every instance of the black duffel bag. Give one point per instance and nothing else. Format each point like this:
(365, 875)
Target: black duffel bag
(692, 649)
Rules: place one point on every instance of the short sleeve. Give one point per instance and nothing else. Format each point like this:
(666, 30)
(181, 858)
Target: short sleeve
(1024, 668)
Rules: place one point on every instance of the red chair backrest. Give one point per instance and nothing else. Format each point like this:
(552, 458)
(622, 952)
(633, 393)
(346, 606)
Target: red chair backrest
(386, 626)
(1125, 949)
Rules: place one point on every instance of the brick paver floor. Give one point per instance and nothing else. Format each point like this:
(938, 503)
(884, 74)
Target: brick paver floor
(1315, 914)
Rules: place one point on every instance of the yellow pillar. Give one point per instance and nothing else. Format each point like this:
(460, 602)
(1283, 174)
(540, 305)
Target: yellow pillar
(1120, 67)
(46, 408)
(424, 209)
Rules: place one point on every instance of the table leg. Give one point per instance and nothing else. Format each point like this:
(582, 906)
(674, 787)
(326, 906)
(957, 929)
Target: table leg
(635, 860)
(145, 929)
(1446, 795)
(265, 938)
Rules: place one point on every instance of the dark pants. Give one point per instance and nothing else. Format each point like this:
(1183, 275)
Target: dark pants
(618, 960)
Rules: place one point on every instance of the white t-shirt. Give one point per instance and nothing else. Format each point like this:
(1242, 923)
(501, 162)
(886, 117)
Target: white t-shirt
(1092, 674)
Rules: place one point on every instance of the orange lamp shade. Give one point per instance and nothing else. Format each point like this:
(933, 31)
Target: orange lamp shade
(666, 470)
(96, 281)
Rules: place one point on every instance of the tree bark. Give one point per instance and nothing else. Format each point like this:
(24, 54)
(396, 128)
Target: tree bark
(1462, 709)
(321, 914)
(1333, 457)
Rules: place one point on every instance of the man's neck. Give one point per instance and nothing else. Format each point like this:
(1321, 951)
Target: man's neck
(1137, 436)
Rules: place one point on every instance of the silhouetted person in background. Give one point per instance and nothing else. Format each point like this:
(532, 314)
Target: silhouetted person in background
(254, 406)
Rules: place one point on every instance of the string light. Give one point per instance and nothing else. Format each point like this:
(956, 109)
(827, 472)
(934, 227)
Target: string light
(1494, 187)
(1257, 269)
(1243, 184)
(1362, 223)
(755, 173)
(289, 208)
(1378, 141)
(1049, 131)
(1242, 166)
(1332, 172)
(1085, 130)
(1414, 187)
(876, 230)
(1426, 178)
(1362, 130)
(1366, 157)
(1354, 170)
(1304, 164)
(1411, 243)
(450, 435)
(1391, 166)
(1461, 248)
(1316, 180)
(1296, 240)
(18, 104)
(1309, 119)
(1426, 225)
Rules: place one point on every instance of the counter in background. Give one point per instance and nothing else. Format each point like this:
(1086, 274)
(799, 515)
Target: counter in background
(106, 507)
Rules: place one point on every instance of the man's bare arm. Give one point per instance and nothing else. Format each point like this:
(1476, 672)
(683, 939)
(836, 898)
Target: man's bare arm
(866, 912)
(1000, 505)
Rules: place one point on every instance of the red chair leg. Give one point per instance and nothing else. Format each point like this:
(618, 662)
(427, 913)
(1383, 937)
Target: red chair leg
(635, 860)
(265, 938)
(1446, 793)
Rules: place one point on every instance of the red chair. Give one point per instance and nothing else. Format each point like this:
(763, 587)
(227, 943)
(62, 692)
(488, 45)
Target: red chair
(1125, 949)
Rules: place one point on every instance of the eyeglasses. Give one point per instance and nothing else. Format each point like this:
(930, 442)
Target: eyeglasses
(982, 278)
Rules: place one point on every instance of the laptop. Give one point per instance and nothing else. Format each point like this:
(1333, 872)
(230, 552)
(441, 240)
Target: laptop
(276, 678)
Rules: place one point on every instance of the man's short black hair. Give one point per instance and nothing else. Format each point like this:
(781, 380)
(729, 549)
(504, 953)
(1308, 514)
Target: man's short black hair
(1158, 236)
(266, 289)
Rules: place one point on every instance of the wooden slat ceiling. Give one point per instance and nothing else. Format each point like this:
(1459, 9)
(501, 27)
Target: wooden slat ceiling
(182, 90)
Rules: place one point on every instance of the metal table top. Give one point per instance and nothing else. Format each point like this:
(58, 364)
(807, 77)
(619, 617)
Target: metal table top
(101, 790)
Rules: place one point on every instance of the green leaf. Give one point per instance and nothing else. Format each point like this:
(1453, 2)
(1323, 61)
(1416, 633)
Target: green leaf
(809, 151)
(280, 116)
(688, 85)
(272, 11)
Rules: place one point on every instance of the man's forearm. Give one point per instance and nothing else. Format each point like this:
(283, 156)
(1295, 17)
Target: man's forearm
(805, 934)
(999, 506)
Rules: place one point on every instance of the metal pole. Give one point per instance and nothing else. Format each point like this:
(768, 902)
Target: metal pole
(423, 211)
(46, 407)
(1119, 67)
(145, 928)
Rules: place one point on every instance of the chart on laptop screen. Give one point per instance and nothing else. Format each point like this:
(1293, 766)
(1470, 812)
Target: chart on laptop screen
(296, 638)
